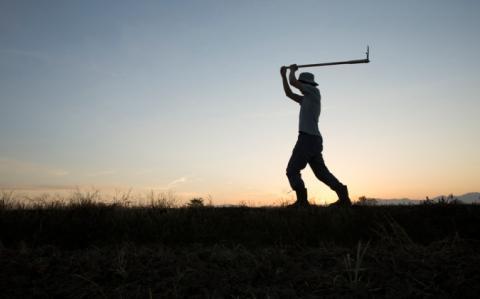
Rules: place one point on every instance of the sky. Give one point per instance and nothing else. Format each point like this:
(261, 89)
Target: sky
(186, 96)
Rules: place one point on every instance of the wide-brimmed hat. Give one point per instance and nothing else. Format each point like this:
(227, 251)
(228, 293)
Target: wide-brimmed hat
(307, 78)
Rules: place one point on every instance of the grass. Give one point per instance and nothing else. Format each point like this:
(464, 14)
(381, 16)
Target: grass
(85, 249)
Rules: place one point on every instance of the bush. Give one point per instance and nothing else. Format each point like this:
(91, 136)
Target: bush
(196, 203)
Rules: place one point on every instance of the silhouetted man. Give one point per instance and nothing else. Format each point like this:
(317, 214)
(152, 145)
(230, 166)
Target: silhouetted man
(309, 146)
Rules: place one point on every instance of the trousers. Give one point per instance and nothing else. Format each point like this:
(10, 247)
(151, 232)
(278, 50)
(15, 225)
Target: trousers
(308, 150)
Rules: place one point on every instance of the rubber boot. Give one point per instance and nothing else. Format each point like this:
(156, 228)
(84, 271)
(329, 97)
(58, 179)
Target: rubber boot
(343, 198)
(302, 200)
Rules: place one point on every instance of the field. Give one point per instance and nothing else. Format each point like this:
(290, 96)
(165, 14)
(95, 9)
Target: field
(85, 249)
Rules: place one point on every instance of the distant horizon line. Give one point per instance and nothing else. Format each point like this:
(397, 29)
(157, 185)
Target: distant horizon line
(109, 189)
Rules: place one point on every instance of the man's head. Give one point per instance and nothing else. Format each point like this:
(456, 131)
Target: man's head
(307, 78)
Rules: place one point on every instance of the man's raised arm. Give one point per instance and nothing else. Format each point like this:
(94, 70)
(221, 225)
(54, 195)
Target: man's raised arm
(293, 80)
(288, 92)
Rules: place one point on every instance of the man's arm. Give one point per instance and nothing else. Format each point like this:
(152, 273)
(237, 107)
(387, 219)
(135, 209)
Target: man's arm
(288, 92)
(293, 80)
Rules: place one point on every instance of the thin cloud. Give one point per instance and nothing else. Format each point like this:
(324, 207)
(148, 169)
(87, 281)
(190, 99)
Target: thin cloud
(13, 166)
(102, 173)
(178, 181)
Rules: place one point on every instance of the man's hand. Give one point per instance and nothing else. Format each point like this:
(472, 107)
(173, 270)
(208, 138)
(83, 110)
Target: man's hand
(293, 67)
(283, 70)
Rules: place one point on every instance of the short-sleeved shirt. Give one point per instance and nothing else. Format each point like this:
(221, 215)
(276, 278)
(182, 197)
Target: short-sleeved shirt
(309, 109)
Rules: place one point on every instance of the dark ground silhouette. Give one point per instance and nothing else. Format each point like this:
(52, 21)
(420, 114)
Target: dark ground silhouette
(97, 250)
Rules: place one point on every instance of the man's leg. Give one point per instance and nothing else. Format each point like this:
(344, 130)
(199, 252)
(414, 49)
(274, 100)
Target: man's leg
(324, 175)
(297, 162)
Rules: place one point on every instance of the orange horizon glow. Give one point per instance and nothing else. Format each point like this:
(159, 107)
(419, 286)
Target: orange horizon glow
(251, 198)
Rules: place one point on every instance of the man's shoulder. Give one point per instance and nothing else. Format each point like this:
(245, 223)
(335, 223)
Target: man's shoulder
(310, 90)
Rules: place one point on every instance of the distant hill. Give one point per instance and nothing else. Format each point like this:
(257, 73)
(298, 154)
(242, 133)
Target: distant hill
(472, 197)
(467, 198)
(398, 201)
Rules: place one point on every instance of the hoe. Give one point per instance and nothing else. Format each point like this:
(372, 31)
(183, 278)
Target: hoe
(366, 60)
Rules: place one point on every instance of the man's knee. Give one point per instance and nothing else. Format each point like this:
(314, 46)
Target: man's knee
(292, 172)
(295, 179)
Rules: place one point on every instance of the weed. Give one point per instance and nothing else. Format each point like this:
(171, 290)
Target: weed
(162, 200)
(6, 199)
(85, 199)
(353, 266)
(122, 199)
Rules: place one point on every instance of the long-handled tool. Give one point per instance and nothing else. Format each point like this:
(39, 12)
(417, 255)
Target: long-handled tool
(366, 60)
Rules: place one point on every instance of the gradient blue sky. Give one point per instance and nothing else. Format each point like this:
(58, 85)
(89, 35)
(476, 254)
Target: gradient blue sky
(187, 96)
